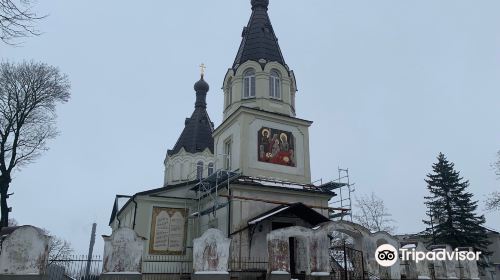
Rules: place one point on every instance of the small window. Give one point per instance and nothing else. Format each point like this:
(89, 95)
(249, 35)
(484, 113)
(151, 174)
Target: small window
(293, 99)
(199, 170)
(181, 171)
(275, 85)
(210, 168)
(227, 154)
(170, 173)
(177, 172)
(229, 93)
(249, 84)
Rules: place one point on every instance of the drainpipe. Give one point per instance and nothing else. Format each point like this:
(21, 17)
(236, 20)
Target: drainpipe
(135, 211)
(229, 215)
(117, 212)
(119, 222)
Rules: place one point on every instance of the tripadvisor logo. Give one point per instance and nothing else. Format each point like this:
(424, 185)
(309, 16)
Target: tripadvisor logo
(387, 255)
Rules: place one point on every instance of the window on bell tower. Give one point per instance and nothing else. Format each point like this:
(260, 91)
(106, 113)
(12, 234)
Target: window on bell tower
(227, 154)
(229, 93)
(275, 85)
(249, 84)
(210, 168)
(199, 170)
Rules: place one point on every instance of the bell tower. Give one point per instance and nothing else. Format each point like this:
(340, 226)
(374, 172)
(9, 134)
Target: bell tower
(259, 77)
(260, 134)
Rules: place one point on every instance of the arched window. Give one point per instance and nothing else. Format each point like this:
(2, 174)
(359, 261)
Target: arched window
(210, 168)
(177, 172)
(199, 170)
(168, 173)
(275, 85)
(249, 84)
(229, 93)
(227, 153)
(181, 171)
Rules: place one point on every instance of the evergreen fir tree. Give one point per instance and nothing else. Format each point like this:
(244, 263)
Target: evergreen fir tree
(451, 210)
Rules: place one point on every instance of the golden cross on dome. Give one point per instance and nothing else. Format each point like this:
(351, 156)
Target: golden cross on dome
(202, 69)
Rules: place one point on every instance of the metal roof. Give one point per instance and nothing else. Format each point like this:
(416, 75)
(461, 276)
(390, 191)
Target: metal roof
(298, 209)
(258, 38)
(197, 133)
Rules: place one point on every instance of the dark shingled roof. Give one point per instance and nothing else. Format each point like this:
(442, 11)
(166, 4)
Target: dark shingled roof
(259, 40)
(298, 209)
(197, 133)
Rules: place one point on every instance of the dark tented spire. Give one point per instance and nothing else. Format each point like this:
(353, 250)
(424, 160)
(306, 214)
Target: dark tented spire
(197, 133)
(260, 3)
(259, 40)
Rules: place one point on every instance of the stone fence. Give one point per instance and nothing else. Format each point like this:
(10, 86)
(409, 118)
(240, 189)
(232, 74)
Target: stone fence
(24, 255)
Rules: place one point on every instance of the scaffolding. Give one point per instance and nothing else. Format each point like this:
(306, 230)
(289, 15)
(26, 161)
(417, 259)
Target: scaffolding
(342, 201)
(213, 193)
(209, 188)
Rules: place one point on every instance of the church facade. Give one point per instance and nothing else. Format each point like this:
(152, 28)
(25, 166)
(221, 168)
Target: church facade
(246, 177)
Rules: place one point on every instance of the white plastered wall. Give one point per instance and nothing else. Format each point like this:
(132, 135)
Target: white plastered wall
(181, 167)
(262, 100)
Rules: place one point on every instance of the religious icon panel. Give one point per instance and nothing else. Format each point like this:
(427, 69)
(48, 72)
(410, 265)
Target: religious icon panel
(276, 146)
(168, 231)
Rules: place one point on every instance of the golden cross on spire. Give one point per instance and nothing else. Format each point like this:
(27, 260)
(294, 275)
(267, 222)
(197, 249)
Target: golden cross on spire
(202, 69)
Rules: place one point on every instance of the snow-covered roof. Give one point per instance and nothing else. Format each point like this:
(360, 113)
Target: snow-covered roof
(298, 209)
(254, 221)
(277, 183)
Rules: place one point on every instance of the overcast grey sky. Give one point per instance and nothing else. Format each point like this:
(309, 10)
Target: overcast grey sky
(388, 84)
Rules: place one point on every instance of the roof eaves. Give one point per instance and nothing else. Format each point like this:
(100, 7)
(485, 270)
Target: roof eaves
(249, 183)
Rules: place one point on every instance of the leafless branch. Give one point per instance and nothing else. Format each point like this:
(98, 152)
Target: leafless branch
(29, 93)
(59, 249)
(17, 20)
(372, 214)
(493, 202)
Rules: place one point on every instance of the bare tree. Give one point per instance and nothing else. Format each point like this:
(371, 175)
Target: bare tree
(29, 93)
(372, 214)
(493, 202)
(17, 20)
(59, 249)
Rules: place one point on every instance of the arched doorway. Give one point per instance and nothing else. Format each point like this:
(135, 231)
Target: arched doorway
(356, 261)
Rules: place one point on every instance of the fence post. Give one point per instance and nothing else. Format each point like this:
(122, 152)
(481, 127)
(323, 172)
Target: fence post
(91, 249)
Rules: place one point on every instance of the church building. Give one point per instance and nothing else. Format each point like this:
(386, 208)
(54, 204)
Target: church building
(246, 176)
